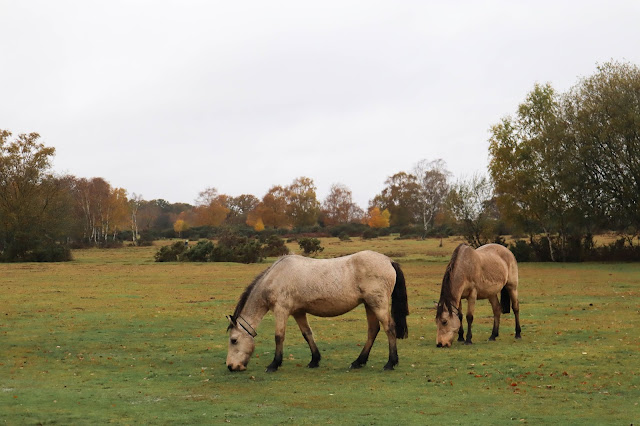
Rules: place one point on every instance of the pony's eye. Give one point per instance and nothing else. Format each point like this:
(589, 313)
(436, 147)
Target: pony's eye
(444, 322)
(234, 341)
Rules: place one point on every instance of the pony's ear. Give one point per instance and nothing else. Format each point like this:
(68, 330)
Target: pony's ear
(232, 322)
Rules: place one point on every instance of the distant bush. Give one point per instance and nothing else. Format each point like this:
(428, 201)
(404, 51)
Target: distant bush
(409, 231)
(171, 253)
(201, 252)
(275, 246)
(369, 234)
(51, 252)
(351, 229)
(344, 237)
(522, 251)
(310, 245)
(619, 250)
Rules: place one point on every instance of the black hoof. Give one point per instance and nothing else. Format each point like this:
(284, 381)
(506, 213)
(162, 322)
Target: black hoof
(355, 365)
(468, 342)
(388, 367)
(492, 339)
(271, 369)
(313, 364)
(460, 339)
(518, 336)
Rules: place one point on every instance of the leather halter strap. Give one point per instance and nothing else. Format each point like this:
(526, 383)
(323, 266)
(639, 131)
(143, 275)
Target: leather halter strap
(244, 324)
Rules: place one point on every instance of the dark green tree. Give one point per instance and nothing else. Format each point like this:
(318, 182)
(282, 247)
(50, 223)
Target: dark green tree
(34, 205)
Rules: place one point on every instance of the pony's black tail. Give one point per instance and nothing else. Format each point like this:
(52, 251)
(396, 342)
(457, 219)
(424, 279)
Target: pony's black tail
(399, 304)
(505, 300)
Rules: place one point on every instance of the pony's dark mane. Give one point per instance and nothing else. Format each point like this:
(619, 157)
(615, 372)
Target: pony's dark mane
(247, 291)
(446, 295)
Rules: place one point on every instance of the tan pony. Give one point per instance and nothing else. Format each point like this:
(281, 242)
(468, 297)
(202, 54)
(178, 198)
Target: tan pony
(297, 285)
(476, 274)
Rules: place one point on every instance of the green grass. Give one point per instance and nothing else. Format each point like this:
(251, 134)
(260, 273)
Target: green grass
(115, 337)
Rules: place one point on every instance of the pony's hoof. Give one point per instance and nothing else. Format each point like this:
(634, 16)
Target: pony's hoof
(355, 365)
(313, 365)
(518, 336)
(271, 369)
(492, 339)
(388, 367)
(460, 339)
(468, 342)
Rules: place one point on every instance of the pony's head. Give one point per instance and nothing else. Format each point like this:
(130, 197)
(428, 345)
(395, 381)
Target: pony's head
(448, 324)
(241, 343)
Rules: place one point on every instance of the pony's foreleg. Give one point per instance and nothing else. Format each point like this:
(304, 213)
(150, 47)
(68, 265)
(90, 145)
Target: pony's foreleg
(373, 329)
(471, 306)
(461, 329)
(497, 310)
(301, 319)
(281, 326)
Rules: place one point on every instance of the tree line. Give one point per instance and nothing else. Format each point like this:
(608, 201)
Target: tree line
(565, 167)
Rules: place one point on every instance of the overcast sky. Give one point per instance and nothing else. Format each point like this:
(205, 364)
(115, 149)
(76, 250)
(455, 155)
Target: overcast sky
(167, 98)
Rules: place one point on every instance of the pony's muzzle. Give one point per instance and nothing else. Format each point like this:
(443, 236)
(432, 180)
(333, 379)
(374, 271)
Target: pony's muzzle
(236, 367)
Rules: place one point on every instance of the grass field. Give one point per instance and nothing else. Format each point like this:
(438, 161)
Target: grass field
(113, 337)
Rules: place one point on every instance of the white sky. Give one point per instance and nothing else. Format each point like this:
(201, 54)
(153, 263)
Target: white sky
(167, 98)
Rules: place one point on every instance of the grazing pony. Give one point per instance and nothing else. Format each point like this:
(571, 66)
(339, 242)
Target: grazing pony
(476, 274)
(297, 285)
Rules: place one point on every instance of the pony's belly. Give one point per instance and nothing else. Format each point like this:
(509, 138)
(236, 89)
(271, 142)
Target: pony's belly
(333, 308)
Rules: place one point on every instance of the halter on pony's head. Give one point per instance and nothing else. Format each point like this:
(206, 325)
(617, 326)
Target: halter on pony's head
(242, 323)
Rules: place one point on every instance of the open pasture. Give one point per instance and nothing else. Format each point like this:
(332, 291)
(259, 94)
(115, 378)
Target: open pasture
(115, 337)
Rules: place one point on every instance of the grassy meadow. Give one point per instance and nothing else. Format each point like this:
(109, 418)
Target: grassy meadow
(114, 337)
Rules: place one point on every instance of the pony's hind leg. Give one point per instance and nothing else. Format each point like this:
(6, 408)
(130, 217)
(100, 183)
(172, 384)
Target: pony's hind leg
(515, 305)
(382, 313)
(301, 319)
(495, 305)
(373, 329)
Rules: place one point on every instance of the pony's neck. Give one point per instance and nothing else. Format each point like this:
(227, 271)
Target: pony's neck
(254, 311)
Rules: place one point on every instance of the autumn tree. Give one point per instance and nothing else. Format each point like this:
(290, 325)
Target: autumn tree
(272, 210)
(432, 178)
(103, 210)
(302, 204)
(180, 226)
(339, 207)
(135, 203)
(470, 203)
(602, 113)
(532, 167)
(400, 196)
(33, 203)
(240, 207)
(379, 219)
(211, 209)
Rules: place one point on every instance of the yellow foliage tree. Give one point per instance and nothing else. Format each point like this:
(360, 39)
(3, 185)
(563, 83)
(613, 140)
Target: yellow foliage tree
(258, 225)
(179, 226)
(378, 219)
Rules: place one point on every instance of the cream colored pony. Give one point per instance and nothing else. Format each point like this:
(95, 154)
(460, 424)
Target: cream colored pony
(476, 274)
(297, 285)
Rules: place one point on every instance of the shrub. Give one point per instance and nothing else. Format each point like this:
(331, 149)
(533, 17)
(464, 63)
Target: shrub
(275, 247)
(344, 237)
(249, 252)
(172, 253)
(369, 234)
(522, 251)
(310, 245)
(201, 252)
